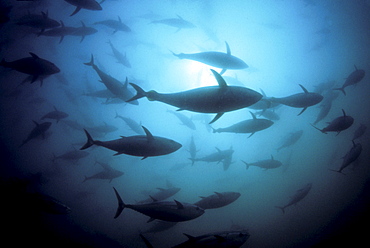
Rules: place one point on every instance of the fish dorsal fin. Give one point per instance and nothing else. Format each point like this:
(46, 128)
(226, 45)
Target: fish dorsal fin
(161, 189)
(62, 23)
(180, 17)
(304, 89)
(220, 80)
(44, 15)
(189, 236)
(119, 19)
(344, 113)
(263, 93)
(253, 115)
(34, 56)
(37, 124)
(356, 68)
(219, 194)
(148, 134)
(154, 200)
(272, 157)
(353, 143)
(227, 48)
(126, 83)
(55, 108)
(202, 197)
(179, 205)
(218, 149)
(83, 24)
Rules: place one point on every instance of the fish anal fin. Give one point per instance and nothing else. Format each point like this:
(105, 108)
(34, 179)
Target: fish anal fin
(78, 8)
(302, 110)
(218, 116)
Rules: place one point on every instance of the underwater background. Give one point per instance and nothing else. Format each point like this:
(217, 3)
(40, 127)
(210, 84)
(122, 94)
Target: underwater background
(317, 44)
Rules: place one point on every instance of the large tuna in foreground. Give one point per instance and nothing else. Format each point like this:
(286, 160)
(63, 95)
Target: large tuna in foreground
(212, 99)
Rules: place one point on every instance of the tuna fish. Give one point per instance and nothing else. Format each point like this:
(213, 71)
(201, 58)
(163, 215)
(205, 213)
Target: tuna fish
(231, 239)
(338, 124)
(297, 197)
(71, 156)
(300, 100)
(107, 174)
(113, 85)
(178, 23)
(173, 211)
(212, 99)
(55, 115)
(192, 150)
(186, 121)
(41, 22)
(35, 66)
(248, 126)
(37, 131)
(216, 59)
(117, 25)
(139, 145)
(162, 194)
(217, 200)
(133, 125)
(218, 156)
(355, 77)
(59, 31)
(83, 31)
(351, 156)
(122, 59)
(265, 164)
(84, 4)
(359, 132)
(291, 139)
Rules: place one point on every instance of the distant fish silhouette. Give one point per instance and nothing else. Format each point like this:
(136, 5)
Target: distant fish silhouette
(178, 23)
(116, 25)
(353, 78)
(291, 139)
(217, 200)
(37, 131)
(265, 164)
(351, 156)
(122, 59)
(338, 124)
(59, 31)
(216, 59)
(41, 22)
(359, 131)
(297, 197)
(55, 115)
(107, 174)
(83, 31)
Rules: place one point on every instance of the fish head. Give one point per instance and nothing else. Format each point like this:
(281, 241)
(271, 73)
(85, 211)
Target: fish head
(173, 145)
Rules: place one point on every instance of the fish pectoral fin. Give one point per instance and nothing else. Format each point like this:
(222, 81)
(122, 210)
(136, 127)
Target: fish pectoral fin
(118, 153)
(150, 220)
(302, 110)
(218, 116)
(144, 157)
(223, 71)
(251, 135)
(179, 205)
(76, 10)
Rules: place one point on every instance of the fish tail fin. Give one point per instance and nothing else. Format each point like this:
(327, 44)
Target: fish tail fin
(247, 165)
(321, 130)
(89, 141)
(192, 161)
(121, 204)
(116, 115)
(282, 209)
(149, 245)
(85, 179)
(140, 93)
(340, 89)
(339, 171)
(91, 63)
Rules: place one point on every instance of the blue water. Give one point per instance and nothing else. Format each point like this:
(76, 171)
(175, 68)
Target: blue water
(284, 43)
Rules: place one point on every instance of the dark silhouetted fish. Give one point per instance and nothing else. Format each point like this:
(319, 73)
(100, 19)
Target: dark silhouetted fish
(59, 32)
(300, 100)
(216, 59)
(102, 129)
(84, 4)
(72, 156)
(107, 174)
(184, 119)
(227, 162)
(83, 31)
(55, 115)
(117, 25)
(173, 211)
(291, 139)
(192, 150)
(41, 22)
(353, 78)
(116, 87)
(161, 195)
(35, 66)
(215, 157)
(212, 99)
(122, 59)
(269, 114)
(338, 124)
(217, 200)
(265, 164)
(351, 156)
(133, 125)
(139, 145)
(231, 239)
(247, 126)
(37, 131)
(359, 132)
(297, 197)
(178, 23)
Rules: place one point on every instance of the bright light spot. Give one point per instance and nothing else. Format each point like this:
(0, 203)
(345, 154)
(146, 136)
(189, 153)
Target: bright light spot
(201, 74)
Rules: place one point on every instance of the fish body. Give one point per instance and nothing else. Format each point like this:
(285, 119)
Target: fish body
(217, 200)
(37, 131)
(73, 155)
(84, 4)
(161, 195)
(117, 25)
(122, 59)
(34, 66)
(184, 119)
(55, 115)
(172, 211)
(139, 145)
(351, 156)
(338, 124)
(324, 111)
(297, 197)
(216, 59)
(192, 150)
(300, 100)
(215, 157)
(359, 132)
(265, 164)
(59, 31)
(107, 174)
(83, 31)
(41, 22)
(211, 99)
(179, 23)
(355, 77)
(291, 139)
(247, 126)
(132, 124)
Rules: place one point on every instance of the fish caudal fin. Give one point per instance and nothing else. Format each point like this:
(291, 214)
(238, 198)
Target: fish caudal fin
(140, 93)
(247, 165)
(121, 204)
(89, 141)
(340, 89)
(91, 63)
(282, 209)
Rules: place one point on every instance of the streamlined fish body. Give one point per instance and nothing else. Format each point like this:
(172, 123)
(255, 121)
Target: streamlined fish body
(338, 124)
(297, 197)
(355, 77)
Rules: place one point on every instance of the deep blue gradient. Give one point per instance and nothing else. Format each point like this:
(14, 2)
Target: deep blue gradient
(284, 43)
